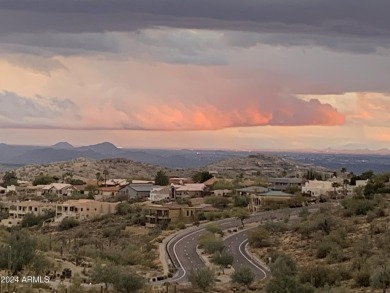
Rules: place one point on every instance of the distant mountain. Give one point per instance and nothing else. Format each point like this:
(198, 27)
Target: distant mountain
(104, 148)
(63, 145)
(49, 155)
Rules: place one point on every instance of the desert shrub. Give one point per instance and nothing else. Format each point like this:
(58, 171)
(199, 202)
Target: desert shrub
(275, 227)
(357, 207)
(319, 275)
(68, 223)
(362, 278)
(259, 238)
(210, 243)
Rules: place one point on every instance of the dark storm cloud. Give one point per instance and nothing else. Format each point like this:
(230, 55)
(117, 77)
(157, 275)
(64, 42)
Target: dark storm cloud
(348, 17)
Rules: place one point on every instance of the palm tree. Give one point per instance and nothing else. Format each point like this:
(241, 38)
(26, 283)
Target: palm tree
(98, 178)
(105, 173)
(335, 185)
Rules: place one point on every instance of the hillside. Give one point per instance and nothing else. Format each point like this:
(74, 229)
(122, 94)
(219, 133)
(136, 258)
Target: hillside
(261, 165)
(83, 168)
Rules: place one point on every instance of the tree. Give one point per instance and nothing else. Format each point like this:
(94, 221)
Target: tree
(98, 178)
(129, 282)
(215, 229)
(203, 279)
(10, 178)
(218, 202)
(105, 174)
(259, 238)
(91, 189)
(335, 185)
(241, 201)
(283, 266)
(43, 179)
(19, 253)
(242, 214)
(104, 273)
(201, 177)
(211, 244)
(161, 178)
(243, 276)
(222, 259)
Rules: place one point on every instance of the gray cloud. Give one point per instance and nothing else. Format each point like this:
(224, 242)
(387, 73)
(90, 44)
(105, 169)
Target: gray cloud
(17, 111)
(350, 19)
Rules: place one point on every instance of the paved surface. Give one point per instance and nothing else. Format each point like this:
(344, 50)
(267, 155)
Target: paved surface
(236, 244)
(181, 249)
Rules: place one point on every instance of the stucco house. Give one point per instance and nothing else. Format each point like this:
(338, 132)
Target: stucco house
(18, 210)
(83, 209)
(161, 193)
(59, 189)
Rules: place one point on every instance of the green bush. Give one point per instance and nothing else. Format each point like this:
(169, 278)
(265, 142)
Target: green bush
(68, 223)
(319, 275)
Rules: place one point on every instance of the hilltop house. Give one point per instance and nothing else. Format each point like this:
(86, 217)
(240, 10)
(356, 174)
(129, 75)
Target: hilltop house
(17, 211)
(59, 189)
(161, 193)
(189, 190)
(282, 184)
(164, 214)
(83, 209)
(269, 198)
(317, 188)
(137, 190)
(252, 190)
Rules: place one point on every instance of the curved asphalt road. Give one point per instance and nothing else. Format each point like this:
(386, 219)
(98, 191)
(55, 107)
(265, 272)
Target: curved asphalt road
(236, 244)
(181, 249)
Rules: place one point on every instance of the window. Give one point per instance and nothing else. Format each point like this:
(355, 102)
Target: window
(81, 209)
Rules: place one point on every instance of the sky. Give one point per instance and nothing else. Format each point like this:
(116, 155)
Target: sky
(249, 74)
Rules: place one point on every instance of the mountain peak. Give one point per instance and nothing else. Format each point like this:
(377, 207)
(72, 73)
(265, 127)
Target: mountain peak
(62, 145)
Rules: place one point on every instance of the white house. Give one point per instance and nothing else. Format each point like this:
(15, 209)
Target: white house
(161, 193)
(317, 188)
(11, 188)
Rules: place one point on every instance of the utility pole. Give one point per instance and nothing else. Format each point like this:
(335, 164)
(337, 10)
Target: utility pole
(9, 264)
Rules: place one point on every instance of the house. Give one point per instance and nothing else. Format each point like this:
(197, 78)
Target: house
(252, 190)
(59, 189)
(136, 190)
(83, 209)
(189, 190)
(18, 210)
(271, 197)
(107, 192)
(114, 182)
(142, 182)
(282, 184)
(161, 193)
(35, 190)
(317, 188)
(11, 188)
(163, 214)
(180, 181)
(222, 192)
